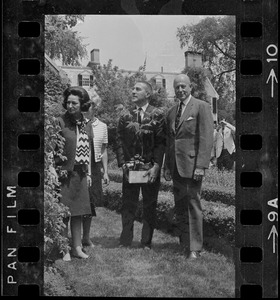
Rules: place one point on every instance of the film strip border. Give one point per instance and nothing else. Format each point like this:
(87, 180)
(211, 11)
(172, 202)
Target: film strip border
(23, 155)
(256, 163)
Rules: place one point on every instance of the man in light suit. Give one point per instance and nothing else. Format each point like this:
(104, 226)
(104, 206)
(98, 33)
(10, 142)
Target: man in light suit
(189, 126)
(224, 145)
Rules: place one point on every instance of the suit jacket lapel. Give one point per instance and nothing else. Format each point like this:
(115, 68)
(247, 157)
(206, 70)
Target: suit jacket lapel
(133, 113)
(173, 116)
(148, 110)
(187, 111)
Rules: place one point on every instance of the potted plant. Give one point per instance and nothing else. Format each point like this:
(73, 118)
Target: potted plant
(136, 166)
(137, 169)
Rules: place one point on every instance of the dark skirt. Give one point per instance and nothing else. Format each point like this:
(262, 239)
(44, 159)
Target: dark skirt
(95, 191)
(75, 193)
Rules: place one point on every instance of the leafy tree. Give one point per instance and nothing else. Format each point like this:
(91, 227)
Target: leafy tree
(197, 77)
(114, 87)
(61, 42)
(215, 39)
(159, 96)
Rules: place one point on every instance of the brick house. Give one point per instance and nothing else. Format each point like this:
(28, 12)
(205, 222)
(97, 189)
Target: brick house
(83, 76)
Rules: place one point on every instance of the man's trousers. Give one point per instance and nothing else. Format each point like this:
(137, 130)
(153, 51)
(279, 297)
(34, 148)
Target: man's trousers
(130, 200)
(188, 211)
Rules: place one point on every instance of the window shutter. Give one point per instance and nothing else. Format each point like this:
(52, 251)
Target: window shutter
(91, 80)
(80, 80)
(164, 82)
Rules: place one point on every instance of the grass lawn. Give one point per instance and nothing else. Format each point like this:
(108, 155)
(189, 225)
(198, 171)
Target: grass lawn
(163, 271)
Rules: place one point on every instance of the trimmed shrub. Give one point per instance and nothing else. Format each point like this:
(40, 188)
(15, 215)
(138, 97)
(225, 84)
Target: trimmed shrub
(218, 217)
(222, 178)
(210, 191)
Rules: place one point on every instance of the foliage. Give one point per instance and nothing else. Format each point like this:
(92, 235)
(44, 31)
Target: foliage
(226, 110)
(216, 187)
(215, 38)
(114, 87)
(140, 130)
(159, 96)
(197, 77)
(61, 42)
(222, 178)
(54, 211)
(218, 216)
(54, 87)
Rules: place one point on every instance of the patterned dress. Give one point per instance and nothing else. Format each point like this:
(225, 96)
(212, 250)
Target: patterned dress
(74, 188)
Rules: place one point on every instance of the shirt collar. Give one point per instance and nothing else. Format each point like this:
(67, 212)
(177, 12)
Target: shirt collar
(144, 108)
(185, 102)
(95, 122)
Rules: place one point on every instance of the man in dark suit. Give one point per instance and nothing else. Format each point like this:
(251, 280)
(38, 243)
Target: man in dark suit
(189, 126)
(150, 146)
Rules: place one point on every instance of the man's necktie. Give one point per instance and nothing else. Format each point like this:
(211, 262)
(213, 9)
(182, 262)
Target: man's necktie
(139, 115)
(178, 116)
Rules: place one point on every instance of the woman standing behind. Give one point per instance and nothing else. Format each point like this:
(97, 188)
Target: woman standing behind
(77, 132)
(99, 160)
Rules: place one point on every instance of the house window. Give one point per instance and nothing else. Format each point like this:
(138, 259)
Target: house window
(85, 80)
(160, 82)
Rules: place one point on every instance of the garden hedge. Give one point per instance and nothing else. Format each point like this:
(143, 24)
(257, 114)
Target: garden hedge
(210, 192)
(218, 217)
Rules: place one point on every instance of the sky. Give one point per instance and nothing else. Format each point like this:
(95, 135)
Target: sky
(128, 39)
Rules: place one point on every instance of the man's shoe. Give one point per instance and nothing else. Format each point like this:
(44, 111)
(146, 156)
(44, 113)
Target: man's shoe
(194, 255)
(124, 246)
(146, 247)
(185, 248)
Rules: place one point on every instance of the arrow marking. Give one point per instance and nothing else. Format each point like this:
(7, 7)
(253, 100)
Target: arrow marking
(272, 76)
(273, 232)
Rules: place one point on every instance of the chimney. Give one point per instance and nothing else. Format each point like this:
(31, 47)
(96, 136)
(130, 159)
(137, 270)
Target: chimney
(193, 59)
(94, 56)
(161, 69)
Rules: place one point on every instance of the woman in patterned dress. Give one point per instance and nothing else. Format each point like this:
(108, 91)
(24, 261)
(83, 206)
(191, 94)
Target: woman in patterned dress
(77, 132)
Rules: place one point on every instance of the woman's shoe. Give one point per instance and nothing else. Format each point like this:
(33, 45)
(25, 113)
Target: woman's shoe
(77, 252)
(66, 256)
(88, 243)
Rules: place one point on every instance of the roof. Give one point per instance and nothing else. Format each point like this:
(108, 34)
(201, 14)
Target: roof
(210, 89)
(56, 68)
(151, 72)
(75, 67)
(51, 62)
